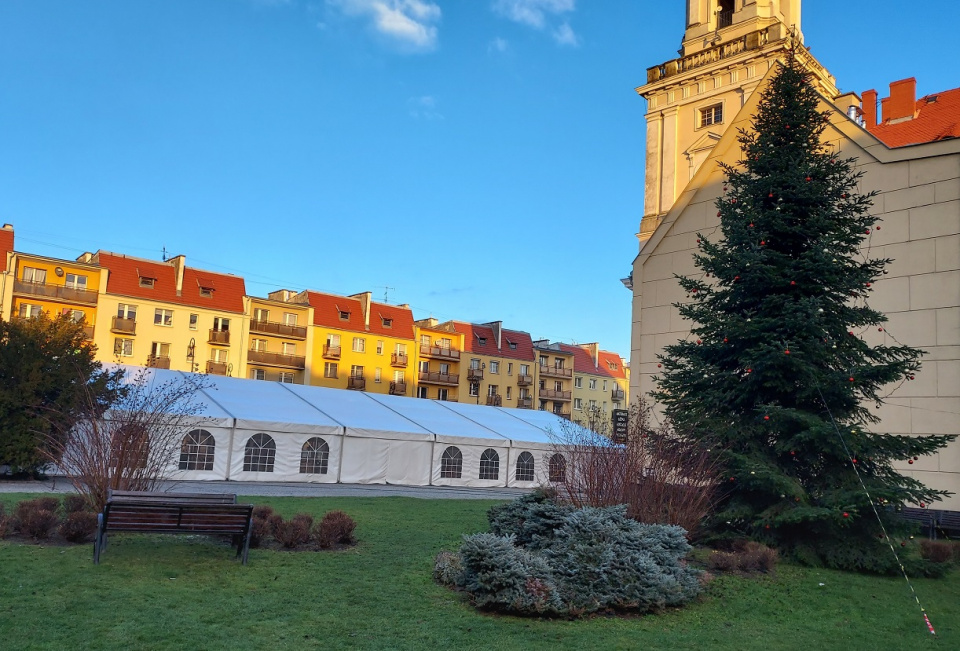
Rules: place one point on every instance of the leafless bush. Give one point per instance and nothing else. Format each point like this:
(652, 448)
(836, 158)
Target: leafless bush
(75, 504)
(36, 518)
(78, 526)
(336, 528)
(660, 476)
(135, 443)
(6, 523)
(291, 533)
(749, 558)
(936, 551)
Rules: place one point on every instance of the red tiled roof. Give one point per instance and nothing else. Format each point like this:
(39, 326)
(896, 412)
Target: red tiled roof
(937, 117)
(607, 359)
(327, 309)
(125, 273)
(6, 246)
(474, 332)
(583, 362)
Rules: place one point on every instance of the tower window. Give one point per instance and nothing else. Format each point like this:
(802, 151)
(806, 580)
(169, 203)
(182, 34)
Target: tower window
(711, 115)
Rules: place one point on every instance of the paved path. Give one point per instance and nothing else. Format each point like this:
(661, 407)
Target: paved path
(292, 489)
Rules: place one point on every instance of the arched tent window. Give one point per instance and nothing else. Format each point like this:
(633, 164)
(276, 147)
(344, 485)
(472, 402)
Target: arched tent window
(558, 469)
(525, 467)
(314, 456)
(490, 464)
(259, 454)
(129, 447)
(451, 463)
(196, 451)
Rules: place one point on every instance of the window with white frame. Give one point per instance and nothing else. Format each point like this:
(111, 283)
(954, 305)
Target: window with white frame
(444, 343)
(444, 368)
(474, 390)
(400, 349)
(474, 364)
(197, 450)
(593, 384)
(509, 368)
(578, 382)
(425, 340)
(259, 453)
(333, 341)
(492, 390)
(314, 457)
(557, 385)
(421, 392)
(356, 371)
(147, 281)
(578, 403)
(258, 374)
(379, 347)
(525, 467)
(33, 275)
(258, 345)
(451, 463)
(330, 370)
(593, 405)
(289, 318)
(221, 324)
(711, 115)
(218, 355)
(377, 374)
(206, 292)
(557, 472)
(442, 394)
(509, 392)
(288, 348)
(28, 311)
(126, 311)
(123, 347)
(524, 369)
(75, 315)
(494, 366)
(604, 385)
(162, 317)
(194, 320)
(76, 281)
(159, 349)
(260, 314)
(399, 377)
(359, 345)
(286, 377)
(424, 366)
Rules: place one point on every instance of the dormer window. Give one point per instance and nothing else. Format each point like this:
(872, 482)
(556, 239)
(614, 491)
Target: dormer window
(482, 341)
(387, 323)
(206, 292)
(344, 315)
(148, 282)
(512, 344)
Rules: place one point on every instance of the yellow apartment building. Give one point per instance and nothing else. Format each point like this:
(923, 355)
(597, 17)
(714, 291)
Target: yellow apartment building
(600, 383)
(497, 365)
(278, 339)
(554, 377)
(169, 315)
(358, 343)
(437, 362)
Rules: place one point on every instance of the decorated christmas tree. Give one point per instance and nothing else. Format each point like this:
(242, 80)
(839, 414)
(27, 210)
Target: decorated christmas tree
(777, 375)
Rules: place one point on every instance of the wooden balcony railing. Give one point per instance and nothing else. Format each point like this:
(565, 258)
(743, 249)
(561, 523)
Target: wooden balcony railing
(439, 352)
(494, 401)
(61, 292)
(550, 394)
(617, 395)
(279, 329)
(216, 368)
(524, 380)
(276, 359)
(221, 337)
(123, 326)
(331, 352)
(398, 388)
(525, 403)
(158, 361)
(429, 377)
(357, 382)
(474, 374)
(555, 371)
(399, 360)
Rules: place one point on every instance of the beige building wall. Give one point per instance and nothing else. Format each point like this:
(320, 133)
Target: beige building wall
(919, 210)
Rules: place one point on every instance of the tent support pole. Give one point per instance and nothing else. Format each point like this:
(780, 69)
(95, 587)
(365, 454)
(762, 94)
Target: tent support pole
(506, 483)
(343, 444)
(433, 457)
(233, 432)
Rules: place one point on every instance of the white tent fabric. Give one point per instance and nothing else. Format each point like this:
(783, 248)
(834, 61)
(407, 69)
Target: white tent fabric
(268, 431)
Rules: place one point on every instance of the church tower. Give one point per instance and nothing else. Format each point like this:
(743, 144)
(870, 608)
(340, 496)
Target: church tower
(727, 47)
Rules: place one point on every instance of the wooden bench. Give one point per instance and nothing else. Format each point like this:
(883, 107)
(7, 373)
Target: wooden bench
(185, 513)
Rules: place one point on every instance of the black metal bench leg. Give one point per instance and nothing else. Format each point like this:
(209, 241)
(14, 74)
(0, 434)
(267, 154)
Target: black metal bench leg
(98, 540)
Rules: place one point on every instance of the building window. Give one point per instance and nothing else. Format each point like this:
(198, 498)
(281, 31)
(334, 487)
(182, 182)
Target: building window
(593, 384)
(356, 371)
(158, 349)
(206, 292)
(425, 340)
(333, 341)
(578, 382)
(557, 472)
(424, 367)
(359, 344)
(604, 385)
(260, 314)
(444, 368)
(147, 282)
(289, 318)
(512, 344)
(508, 392)
(525, 467)
(194, 319)
(474, 364)
(221, 324)
(557, 385)
(509, 368)
(444, 343)
(286, 377)
(31, 275)
(258, 345)
(288, 348)
(711, 115)
(489, 464)
(400, 349)
(28, 311)
(379, 347)
(259, 453)
(387, 323)
(126, 311)
(492, 390)
(162, 317)
(524, 369)
(75, 315)
(330, 370)
(399, 377)
(376, 374)
(421, 392)
(482, 341)
(197, 449)
(593, 405)
(74, 281)
(218, 355)
(451, 463)
(442, 394)
(129, 447)
(494, 367)
(314, 457)
(258, 374)
(123, 347)
(344, 315)
(474, 390)
(578, 403)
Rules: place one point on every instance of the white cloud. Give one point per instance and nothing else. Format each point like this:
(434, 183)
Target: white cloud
(409, 23)
(424, 107)
(564, 35)
(532, 12)
(498, 45)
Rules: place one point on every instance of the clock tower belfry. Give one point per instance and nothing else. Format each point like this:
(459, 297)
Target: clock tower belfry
(727, 48)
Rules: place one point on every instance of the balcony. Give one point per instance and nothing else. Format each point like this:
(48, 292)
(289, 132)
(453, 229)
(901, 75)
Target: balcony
(494, 401)
(525, 403)
(61, 292)
(158, 361)
(356, 382)
(617, 395)
(436, 352)
(446, 379)
(276, 359)
(216, 368)
(279, 329)
(331, 352)
(398, 360)
(88, 332)
(398, 388)
(219, 337)
(555, 371)
(474, 374)
(524, 380)
(724, 19)
(123, 326)
(550, 394)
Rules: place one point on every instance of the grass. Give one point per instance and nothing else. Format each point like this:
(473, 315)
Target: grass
(159, 592)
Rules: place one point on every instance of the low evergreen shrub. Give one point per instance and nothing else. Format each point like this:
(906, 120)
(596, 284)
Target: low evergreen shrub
(447, 569)
(532, 519)
(335, 528)
(78, 526)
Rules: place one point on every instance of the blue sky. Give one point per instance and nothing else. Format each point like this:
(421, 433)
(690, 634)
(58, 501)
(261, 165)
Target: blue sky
(481, 158)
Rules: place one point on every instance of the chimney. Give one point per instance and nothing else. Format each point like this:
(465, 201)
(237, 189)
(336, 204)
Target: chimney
(884, 109)
(364, 298)
(179, 263)
(594, 350)
(497, 327)
(902, 101)
(869, 108)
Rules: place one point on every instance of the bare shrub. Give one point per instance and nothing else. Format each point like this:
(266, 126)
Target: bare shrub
(749, 558)
(75, 504)
(78, 527)
(292, 533)
(335, 528)
(133, 444)
(262, 511)
(35, 518)
(6, 523)
(662, 477)
(260, 530)
(936, 551)
(305, 518)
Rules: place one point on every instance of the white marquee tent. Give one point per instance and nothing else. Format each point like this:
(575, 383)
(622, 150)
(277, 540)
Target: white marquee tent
(267, 431)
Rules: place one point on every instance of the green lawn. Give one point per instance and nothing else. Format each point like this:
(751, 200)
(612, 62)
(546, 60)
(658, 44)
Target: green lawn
(157, 592)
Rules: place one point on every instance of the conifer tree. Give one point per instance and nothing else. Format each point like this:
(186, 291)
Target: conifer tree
(777, 375)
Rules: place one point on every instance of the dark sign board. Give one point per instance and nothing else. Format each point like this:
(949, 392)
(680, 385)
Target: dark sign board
(620, 421)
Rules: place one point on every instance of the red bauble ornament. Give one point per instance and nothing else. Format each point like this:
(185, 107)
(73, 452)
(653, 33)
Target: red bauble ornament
(850, 332)
(910, 461)
(724, 340)
(699, 342)
(916, 458)
(868, 284)
(878, 228)
(853, 460)
(766, 418)
(751, 224)
(792, 453)
(659, 365)
(698, 241)
(718, 213)
(867, 231)
(808, 178)
(749, 370)
(736, 277)
(846, 515)
(879, 329)
(903, 544)
(922, 505)
(851, 379)
(770, 195)
(733, 479)
(733, 201)
(763, 242)
(786, 352)
(793, 282)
